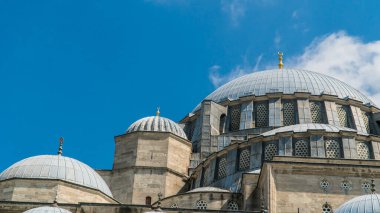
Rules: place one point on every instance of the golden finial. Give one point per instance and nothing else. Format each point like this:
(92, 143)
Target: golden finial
(280, 64)
(158, 111)
(60, 146)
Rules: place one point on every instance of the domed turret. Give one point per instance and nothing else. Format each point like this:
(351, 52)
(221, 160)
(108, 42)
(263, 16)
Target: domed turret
(56, 167)
(47, 209)
(157, 124)
(366, 203)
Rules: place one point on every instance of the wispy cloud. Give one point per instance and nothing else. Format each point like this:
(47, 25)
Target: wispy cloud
(235, 9)
(217, 79)
(277, 40)
(347, 58)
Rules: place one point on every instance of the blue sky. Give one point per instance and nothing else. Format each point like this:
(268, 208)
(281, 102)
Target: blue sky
(86, 70)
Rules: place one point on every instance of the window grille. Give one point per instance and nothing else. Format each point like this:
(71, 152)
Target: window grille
(326, 208)
(270, 151)
(174, 206)
(344, 114)
(148, 200)
(244, 159)
(288, 113)
(368, 122)
(222, 168)
(316, 108)
(261, 115)
(346, 185)
(332, 146)
(366, 186)
(201, 204)
(324, 184)
(363, 150)
(232, 205)
(301, 148)
(235, 118)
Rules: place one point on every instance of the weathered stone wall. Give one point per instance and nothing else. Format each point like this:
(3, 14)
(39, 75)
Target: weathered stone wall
(290, 187)
(35, 190)
(158, 164)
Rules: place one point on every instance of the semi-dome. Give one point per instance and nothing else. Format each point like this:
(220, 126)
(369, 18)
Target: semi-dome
(363, 204)
(208, 189)
(287, 81)
(56, 167)
(157, 124)
(298, 128)
(47, 209)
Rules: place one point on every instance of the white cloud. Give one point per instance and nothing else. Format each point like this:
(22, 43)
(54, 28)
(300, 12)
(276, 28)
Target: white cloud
(277, 40)
(235, 9)
(295, 14)
(346, 58)
(217, 79)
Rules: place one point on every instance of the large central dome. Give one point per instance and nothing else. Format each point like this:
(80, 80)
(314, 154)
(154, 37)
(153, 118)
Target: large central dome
(287, 81)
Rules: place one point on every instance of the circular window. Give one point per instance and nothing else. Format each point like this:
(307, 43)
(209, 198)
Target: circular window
(232, 205)
(326, 208)
(346, 185)
(201, 204)
(324, 184)
(366, 186)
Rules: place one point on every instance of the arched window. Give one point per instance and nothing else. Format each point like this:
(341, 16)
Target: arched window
(288, 112)
(332, 146)
(345, 116)
(317, 112)
(363, 150)
(235, 118)
(261, 114)
(222, 123)
(244, 159)
(201, 204)
(148, 200)
(270, 151)
(222, 168)
(232, 205)
(301, 148)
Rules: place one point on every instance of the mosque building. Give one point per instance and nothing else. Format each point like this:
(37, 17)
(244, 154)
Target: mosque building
(278, 141)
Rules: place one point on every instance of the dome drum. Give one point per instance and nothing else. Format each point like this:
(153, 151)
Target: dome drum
(302, 140)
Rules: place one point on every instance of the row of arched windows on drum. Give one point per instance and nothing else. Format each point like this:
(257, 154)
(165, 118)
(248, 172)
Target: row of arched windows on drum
(200, 204)
(301, 148)
(260, 116)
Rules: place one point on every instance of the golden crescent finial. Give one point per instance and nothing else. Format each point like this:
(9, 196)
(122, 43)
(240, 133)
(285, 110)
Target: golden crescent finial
(280, 64)
(158, 111)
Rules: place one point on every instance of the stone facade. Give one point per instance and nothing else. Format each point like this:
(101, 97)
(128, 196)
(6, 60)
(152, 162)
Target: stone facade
(34, 190)
(148, 163)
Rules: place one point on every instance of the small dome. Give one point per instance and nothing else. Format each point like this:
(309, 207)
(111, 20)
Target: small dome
(157, 124)
(287, 81)
(47, 209)
(363, 204)
(208, 189)
(312, 126)
(56, 167)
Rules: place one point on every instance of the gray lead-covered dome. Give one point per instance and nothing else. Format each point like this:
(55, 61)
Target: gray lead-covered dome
(47, 209)
(287, 81)
(363, 204)
(298, 128)
(157, 124)
(56, 167)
